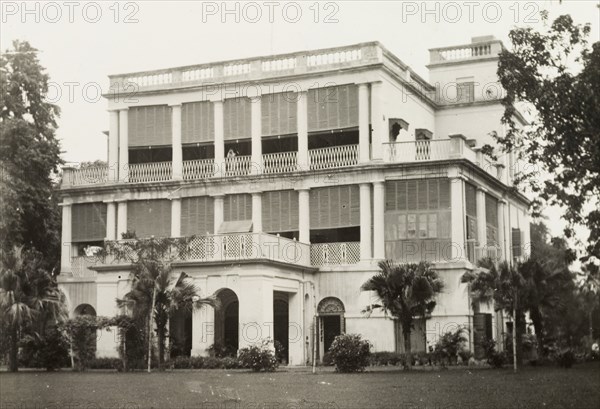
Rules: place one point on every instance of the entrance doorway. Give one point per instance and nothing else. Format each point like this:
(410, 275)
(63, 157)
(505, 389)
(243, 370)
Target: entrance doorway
(227, 324)
(331, 322)
(281, 322)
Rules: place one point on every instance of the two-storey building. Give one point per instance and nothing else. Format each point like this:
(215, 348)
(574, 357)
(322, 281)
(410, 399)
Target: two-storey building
(296, 174)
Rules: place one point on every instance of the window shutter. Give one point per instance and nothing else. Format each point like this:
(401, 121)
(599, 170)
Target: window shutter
(88, 222)
(491, 210)
(149, 217)
(237, 207)
(197, 216)
(237, 118)
(335, 206)
(279, 113)
(471, 200)
(411, 195)
(333, 107)
(280, 211)
(516, 243)
(197, 122)
(433, 199)
(149, 125)
(422, 190)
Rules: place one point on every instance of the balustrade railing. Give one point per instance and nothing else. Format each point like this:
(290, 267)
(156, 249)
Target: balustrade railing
(280, 162)
(333, 157)
(238, 165)
(85, 176)
(322, 254)
(198, 169)
(80, 266)
(416, 151)
(150, 172)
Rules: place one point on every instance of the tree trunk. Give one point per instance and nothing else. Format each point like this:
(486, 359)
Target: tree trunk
(407, 346)
(13, 357)
(514, 336)
(520, 326)
(538, 325)
(150, 330)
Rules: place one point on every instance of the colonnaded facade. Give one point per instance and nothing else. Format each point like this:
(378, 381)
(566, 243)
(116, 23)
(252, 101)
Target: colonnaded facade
(295, 174)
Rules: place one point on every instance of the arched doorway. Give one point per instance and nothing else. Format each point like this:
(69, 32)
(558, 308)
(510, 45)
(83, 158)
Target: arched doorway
(281, 323)
(86, 309)
(331, 322)
(180, 333)
(227, 323)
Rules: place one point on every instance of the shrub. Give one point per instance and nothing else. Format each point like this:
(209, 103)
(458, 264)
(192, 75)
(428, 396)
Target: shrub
(106, 363)
(327, 359)
(82, 334)
(50, 351)
(565, 358)
(350, 353)
(494, 358)
(387, 358)
(449, 345)
(280, 352)
(218, 350)
(258, 358)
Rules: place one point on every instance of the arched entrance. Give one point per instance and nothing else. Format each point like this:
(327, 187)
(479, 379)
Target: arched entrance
(331, 322)
(180, 333)
(227, 323)
(281, 323)
(86, 309)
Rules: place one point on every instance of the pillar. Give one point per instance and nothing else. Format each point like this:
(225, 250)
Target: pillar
(481, 220)
(457, 219)
(256, 133)
(203, 330)
(176, 142)
(296, 340)
(363, 123)
(256, 311)
(111, 221)
(365, 221)
(219, 138)
(378, 220)
(106, 306)
(121, 218)
(218, 212)
(257, 212)
(304, 215)
(378, 121)
(176, 217)
(65, 252)
(113, 146)
(123, 146)
(302, 125)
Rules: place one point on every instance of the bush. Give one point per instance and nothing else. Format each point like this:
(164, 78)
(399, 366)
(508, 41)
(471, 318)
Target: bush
(82, 334)
(565, 358)
(106, 363)
(494, 358)
(200, 362)
(258, 358)
(220, 351)
(50, 351)
(327, 359)
(387, 358)
(350, 353)
(449, 345)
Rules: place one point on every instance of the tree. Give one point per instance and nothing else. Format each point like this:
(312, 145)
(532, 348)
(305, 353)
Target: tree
(503, 285)
(26, 292)
(30, 154)
(563, 139)
(156, 293)
(405, 291)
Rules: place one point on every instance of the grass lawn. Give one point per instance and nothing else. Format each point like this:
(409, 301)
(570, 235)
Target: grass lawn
(547, 387)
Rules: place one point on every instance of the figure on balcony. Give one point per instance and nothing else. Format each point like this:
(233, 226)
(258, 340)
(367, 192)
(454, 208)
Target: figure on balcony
(232, 161)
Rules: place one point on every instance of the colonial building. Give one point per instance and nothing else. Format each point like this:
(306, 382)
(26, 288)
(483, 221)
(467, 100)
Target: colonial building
(296, 174)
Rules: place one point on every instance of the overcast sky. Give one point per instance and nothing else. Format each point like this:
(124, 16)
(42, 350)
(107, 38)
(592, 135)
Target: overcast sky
(84, 42)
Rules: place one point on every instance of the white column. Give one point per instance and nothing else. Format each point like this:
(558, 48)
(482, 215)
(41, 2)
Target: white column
(121, 218)
(219, 138)
(203, 330)
(378, 220)
(123, 146)
(378, 121)
(257, 212)
(304, 216)
(176, 142)
(106, 306)
(503, 238)
(256, 311)
(65, 251)
(302, 118)
(365, 221)
(176, 217)
(295, 333)
(363, 123)
(111, 220)
(113, 145)
(218, 212)
(457, 219)
(256, 132)
(481, 220)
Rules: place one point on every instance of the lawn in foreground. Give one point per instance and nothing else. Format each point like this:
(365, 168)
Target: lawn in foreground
(546, 387)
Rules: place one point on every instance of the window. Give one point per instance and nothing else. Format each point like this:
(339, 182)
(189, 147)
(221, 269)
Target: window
(465, 92)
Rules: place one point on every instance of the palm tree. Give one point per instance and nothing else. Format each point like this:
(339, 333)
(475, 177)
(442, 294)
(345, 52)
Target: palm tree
(503, 285)
(155, 292)
(26, 293)
(405, 291)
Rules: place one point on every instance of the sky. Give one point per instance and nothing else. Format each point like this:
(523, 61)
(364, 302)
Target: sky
(81, 43)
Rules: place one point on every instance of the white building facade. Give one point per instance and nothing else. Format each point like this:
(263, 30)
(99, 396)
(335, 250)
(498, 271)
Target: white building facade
(296, 174)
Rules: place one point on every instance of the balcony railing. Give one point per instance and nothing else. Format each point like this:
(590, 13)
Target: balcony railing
(333, 157)
(238, 165)
(281, 162)
(80, 266)
(323, 254)
(477, 50)
(150, 172)
(417, 151)
(198, 169)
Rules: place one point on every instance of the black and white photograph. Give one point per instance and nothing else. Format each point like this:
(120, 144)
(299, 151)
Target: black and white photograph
(300, 204)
